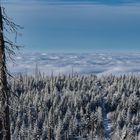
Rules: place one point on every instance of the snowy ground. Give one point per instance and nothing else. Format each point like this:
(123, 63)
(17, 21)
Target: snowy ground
(81, 63)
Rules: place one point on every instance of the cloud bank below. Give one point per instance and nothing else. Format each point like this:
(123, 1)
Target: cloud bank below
(99, 63)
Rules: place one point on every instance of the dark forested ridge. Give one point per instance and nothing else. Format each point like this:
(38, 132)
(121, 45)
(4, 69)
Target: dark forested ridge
(75, 107)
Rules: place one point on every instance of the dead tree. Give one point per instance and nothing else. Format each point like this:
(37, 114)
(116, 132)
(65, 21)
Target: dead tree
(5, 45)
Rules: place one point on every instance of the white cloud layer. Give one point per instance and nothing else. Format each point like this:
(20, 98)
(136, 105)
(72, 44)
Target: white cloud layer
(99, 64)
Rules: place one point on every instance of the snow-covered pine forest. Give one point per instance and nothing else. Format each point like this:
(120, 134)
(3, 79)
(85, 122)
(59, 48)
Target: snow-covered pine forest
(75, 107)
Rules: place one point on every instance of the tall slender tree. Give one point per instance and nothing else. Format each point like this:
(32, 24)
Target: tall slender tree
(5, 45)
(4, 97)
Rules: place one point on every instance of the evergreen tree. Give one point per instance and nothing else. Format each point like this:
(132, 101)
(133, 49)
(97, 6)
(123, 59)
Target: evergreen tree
(5, 45)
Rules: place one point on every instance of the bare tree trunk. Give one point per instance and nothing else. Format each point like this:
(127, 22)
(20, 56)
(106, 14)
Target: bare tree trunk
(4, 97)
(49, 133)
(92, 129)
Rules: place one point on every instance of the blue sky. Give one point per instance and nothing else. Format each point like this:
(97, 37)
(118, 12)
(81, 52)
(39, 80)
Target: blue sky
(77, 25)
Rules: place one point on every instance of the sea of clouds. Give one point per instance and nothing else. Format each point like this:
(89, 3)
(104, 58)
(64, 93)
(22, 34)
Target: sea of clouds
(98, 63)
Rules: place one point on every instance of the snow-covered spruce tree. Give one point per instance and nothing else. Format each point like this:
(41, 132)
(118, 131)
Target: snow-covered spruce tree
(76, 112)
(60, 131)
